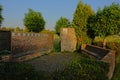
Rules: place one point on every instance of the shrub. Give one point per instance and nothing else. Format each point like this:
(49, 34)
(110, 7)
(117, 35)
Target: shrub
(56, 44)
(83, 69)
(17, 71)
(5, 52)
(84, 39)
(112, 42)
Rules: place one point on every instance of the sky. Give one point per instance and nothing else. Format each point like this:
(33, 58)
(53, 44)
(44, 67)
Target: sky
(14, 10)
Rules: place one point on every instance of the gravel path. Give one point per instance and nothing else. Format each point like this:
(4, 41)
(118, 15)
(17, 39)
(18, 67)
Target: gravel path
(53, 61)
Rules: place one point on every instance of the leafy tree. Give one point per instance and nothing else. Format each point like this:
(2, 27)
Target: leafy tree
(80, 19)
(26, 29)
(18, 29)
(107, 21)
(34, 21)
(1, 18)
(62, 22)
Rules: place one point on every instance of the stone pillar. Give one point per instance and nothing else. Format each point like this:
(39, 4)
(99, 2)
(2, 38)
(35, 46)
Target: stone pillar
(68, 39)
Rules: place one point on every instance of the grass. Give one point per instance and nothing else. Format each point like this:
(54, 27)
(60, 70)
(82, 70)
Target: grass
(83, 68)
(113, 42)
(116, 75)
(56, 44)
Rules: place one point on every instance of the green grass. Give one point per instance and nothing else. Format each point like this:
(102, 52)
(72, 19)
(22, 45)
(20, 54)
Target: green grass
(17, 71)
(83, 68)
(113, 42)
(56, 44)
(116, 75)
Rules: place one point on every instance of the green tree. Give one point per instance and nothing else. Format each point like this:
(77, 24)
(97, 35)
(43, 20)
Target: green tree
(107, 21)
(26, 29)
(34, 21)
(61, 23)
(1, 18)
(18, 29)
(80, 19)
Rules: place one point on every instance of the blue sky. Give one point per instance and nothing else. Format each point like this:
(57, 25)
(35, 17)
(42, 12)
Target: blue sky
(52, 10)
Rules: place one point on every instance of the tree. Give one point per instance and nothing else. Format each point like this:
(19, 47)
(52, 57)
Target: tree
(62, 22)
(34, 21)
(1, 18)
(107, 21)
(18, 29)
(80, 19)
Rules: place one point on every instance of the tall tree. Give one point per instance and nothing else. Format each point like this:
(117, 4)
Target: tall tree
(80, 19)
(107, 21)
(1, 18)
(34, 21)
(62, 22)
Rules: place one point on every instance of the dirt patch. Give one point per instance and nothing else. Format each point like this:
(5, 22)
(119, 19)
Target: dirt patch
(54, 61)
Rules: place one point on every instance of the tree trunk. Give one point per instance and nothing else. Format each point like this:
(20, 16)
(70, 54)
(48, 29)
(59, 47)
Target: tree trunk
(104, 43)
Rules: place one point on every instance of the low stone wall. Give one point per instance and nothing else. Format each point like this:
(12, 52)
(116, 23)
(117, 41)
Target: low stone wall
(102, 54)
(31, 42)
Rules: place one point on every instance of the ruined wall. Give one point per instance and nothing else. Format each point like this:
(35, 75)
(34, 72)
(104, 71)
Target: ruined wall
(31, 42)
(108, 57)
(5, 40)
(68, 39)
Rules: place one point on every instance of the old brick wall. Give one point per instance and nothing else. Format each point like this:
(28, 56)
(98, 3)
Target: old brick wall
(31, 42)
(68, 39)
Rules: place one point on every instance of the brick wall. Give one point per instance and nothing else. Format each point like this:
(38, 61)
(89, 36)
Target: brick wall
(31, 42)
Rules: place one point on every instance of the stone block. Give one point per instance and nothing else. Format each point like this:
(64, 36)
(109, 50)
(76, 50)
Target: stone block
(68, 39)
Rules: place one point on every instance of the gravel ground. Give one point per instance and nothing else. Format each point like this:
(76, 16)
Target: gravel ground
(53, 61)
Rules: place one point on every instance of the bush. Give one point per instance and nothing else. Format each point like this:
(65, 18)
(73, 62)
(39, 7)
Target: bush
(56, 44)
(84, 39)
(83, 69)
(5, 52)
(112, 42)
(17, 71)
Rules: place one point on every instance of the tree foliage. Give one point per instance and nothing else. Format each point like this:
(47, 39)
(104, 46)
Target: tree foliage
(62, 22)
(106, 22)
(80, 18)
(34, 21)
(18, 29)
(1, 18)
